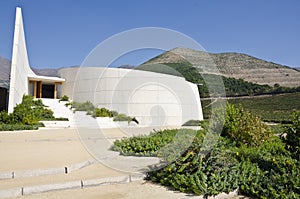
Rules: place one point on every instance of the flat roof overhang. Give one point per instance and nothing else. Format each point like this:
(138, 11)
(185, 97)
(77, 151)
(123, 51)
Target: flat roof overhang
(46, 79)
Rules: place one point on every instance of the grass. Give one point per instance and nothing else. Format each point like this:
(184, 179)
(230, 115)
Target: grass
(276, 108)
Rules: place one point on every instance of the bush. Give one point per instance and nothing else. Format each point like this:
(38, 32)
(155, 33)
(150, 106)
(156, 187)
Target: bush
(4, 118)
(15, 127)
(85, 106)
(292, 138)
(102, 112)
(152, 144)
(46, 114)
(266, 171)
(64, 98)
(114, 113)
(55, 119)
(28, 112)
(192, 123)
(69, 104)
(38, 103)
(122, 117)
(244, 128)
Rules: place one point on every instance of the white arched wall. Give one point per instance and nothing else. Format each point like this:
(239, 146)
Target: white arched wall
(153, 98)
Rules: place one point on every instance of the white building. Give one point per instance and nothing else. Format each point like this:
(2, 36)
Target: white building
(152, 98)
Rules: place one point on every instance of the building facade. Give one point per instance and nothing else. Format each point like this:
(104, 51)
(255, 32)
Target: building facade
(153, 98)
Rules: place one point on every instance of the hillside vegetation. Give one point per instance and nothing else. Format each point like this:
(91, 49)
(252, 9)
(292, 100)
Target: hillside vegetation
(233, 87)
(234, 65)
(273, 108)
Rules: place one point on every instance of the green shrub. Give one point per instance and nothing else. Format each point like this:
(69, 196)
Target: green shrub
(122, 117)
(38, 103)
(28, 112)
(69, 104)
(192, 123)
(150, 145)
(266, 171)
(85, 106)
(200, 174)
(15, 127)
(4, 117)
(64, 98)
(114, 113)
(102, 112)
(46, 114)
(244, 128)
(292, 138)
(55, 119)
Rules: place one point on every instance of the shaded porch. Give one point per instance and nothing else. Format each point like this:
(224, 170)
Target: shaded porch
(45, 87)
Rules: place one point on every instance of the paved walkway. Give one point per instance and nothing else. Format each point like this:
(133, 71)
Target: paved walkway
(60, 148)
(31, 151)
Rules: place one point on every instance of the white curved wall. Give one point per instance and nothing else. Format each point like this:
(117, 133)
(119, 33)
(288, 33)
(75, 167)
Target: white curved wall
(153, 98)
(20, 69)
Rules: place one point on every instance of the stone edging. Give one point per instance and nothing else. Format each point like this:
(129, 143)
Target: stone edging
(17, 192)
(80, 184)
(41, 172)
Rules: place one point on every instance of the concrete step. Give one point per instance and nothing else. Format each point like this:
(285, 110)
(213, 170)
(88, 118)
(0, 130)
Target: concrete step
(77, 119)
(59, 109)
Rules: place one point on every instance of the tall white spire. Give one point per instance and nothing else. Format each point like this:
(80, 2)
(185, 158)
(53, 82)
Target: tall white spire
(20, 68)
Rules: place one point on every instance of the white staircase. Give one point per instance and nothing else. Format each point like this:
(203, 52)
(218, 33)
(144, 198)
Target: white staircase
(77, 119)
(59, 110)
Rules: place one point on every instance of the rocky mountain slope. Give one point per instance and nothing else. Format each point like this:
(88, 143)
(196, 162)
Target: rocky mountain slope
(235, 65)
(5, 70)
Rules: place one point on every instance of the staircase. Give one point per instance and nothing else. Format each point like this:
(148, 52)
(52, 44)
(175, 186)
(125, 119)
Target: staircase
(77, 119)
(59, 111)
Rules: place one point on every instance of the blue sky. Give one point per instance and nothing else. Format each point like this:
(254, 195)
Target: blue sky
(63, 32)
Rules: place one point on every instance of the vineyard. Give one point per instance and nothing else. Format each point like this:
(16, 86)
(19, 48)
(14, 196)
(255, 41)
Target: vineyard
(276, 108)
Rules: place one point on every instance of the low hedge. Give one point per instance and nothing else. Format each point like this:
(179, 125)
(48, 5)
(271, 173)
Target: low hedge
(55, 119)
(16, 127)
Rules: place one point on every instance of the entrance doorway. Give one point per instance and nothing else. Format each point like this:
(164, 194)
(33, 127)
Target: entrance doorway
(39, 89)
(48, 90)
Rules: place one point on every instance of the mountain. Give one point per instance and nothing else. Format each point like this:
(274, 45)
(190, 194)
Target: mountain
(4, 69)
(52, 72)
(233, 65)
(230, 65)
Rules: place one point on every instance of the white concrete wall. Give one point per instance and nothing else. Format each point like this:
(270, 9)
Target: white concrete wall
(153, 98)
(20, 68)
